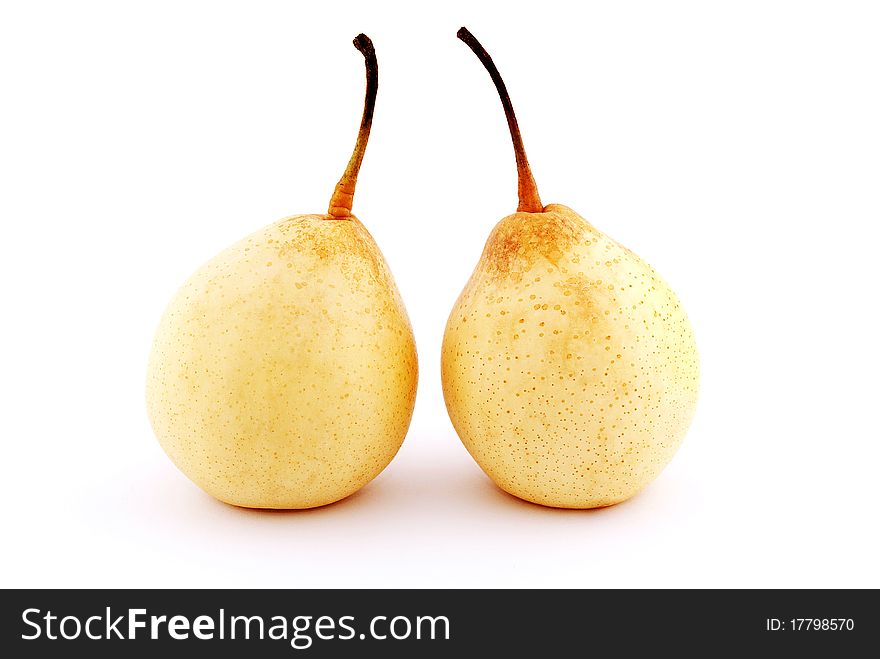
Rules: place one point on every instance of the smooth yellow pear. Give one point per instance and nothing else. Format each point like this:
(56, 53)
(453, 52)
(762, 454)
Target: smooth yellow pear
(283, 373)
(569, 367)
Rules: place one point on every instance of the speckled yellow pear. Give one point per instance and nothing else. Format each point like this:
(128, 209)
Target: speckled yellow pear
(283, 373)
(569, 367)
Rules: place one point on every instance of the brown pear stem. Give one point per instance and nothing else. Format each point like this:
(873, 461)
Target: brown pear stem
(343, 195)
(529, 200)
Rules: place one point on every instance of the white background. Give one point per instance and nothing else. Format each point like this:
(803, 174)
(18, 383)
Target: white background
(735, 146)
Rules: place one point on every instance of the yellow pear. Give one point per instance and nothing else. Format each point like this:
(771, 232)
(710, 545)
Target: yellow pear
(569, 367)
(283, 373)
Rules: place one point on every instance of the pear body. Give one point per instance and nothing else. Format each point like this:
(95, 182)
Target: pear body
(283, 373)
(569, 367)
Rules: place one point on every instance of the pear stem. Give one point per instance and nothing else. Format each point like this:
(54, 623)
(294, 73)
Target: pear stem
(529, 200)
(343, 195)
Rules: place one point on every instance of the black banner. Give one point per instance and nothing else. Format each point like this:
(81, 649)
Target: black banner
(407, 623)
